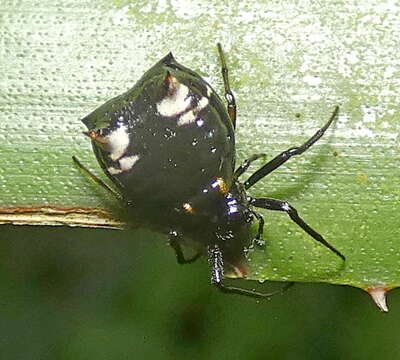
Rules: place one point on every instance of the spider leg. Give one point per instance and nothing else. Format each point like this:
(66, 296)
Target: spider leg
(286, 155)
(96, 179)
(230, 98)
(174, 243)
(216, 262)
(258, 240)
(245, 165)
(279, 205)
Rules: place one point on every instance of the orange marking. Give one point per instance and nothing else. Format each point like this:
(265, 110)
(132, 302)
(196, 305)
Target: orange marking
(94, 136)
(223, 188)
(172, 83)
(188, 208)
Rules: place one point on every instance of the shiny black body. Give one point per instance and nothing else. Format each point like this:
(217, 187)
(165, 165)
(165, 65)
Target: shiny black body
(168, 145)
(176, 161)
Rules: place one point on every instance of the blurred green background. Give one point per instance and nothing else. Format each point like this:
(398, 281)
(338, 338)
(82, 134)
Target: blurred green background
(84, 294)
(68, 293)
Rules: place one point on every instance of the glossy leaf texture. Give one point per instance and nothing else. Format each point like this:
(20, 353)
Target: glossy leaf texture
(289, 67)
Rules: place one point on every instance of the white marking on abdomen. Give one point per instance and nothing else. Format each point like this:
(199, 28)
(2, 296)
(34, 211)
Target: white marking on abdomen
(203, 102)
(190, 116)
(117, 142)
(176, 103)
(187, 118)
(114, 171)
(126, 164)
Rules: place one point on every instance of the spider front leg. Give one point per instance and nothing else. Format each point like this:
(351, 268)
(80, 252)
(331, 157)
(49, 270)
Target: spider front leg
(258, 240)
(174, 243)
(245, 165)
(286, 155)
(279, 205)
(96, 179)
(230, 98)
(216, 261)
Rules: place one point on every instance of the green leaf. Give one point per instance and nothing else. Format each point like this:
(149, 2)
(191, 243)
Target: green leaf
(289, 66)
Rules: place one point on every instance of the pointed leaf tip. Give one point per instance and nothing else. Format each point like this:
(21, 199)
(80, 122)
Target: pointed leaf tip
(378, 294)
